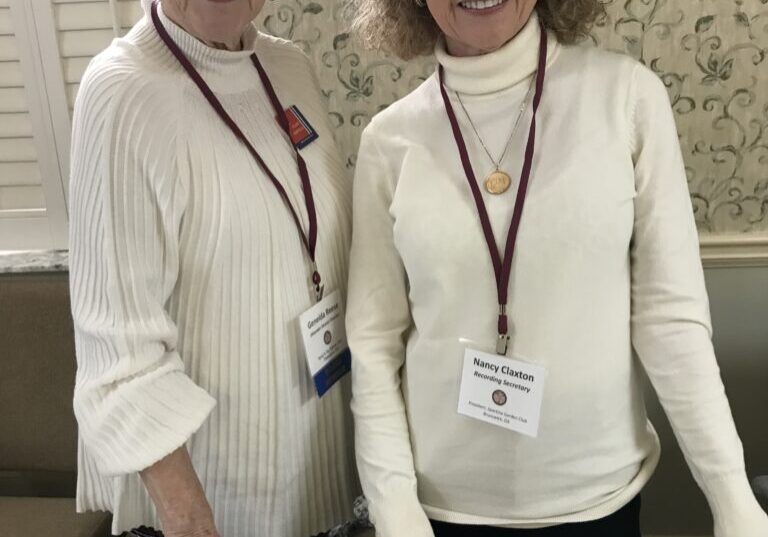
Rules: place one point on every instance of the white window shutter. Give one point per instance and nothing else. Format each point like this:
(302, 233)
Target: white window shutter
(45, 47)
(23, 218)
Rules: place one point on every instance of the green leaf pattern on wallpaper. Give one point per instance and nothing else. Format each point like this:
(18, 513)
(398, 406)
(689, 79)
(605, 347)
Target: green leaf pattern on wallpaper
(710, 54)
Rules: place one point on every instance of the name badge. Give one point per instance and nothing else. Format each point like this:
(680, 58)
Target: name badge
(502, 391)
(301, 132)
(325, 342)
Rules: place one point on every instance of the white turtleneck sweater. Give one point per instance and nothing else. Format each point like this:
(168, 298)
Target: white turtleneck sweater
(606, 271)
(187, 278)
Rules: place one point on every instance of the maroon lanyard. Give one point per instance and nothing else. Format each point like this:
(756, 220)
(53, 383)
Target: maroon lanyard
(502, 268)
(309, 240)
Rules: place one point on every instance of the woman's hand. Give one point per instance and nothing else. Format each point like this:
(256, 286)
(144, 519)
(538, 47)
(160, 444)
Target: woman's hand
(198, 532)
(751, 522)
(199, 528)
(179, 497)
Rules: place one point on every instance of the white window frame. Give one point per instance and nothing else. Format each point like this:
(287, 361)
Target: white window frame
(40, 59)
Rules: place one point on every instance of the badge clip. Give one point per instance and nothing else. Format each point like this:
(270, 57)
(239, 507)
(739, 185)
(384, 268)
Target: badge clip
(316, 280)
(501, 344)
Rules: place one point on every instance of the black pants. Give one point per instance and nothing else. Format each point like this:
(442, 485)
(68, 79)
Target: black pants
(623, 523)
(145, 531)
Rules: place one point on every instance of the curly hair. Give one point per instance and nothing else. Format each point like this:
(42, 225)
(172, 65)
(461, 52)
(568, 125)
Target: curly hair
(408, 30)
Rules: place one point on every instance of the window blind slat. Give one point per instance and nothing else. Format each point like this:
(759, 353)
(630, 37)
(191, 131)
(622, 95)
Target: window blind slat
(19, 174)
(10, 75)
(81, 16)
(27, 230)
(15, 125)
(13, 100)
(74, 69)
(18, 150)
(84, 43)
(5, 21)
(21, 197)
(8, 50)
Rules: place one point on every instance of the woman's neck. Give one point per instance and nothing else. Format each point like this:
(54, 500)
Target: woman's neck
(496, 71)
(456, 48)
(177, 17)
(232, 45)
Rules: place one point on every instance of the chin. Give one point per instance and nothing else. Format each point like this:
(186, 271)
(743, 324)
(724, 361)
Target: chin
(222, 28)
(476, 45)
(493, 34)
(489, 45)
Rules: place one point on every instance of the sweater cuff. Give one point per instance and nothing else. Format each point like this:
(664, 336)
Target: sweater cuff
(400, 514)
(143, 421)
(735, 509)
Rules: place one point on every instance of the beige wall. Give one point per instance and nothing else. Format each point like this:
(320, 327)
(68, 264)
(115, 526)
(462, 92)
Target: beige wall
(711, 54)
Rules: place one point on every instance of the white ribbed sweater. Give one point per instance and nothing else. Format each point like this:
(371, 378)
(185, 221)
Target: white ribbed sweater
(607, 263)
(187, 277)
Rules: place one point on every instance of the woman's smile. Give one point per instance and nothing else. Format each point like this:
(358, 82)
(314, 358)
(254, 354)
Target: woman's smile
(474, 27)
(482, 7)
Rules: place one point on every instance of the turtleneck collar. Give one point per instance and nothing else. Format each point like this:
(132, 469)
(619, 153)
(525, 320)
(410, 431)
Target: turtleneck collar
(206, 58)
(498, 70)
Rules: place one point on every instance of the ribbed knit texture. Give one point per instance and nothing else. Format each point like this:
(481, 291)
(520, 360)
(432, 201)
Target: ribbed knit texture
(187, 277)
(607, 263)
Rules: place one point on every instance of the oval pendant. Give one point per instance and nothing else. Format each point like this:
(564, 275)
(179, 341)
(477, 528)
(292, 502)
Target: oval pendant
(498, 182)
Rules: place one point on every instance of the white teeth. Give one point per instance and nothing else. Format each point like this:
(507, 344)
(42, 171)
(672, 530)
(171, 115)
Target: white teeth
(480, 4)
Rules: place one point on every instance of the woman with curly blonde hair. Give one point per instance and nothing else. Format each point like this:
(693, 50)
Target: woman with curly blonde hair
(523, 246)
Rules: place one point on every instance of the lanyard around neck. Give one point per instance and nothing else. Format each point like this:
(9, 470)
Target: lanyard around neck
(309, 239)
(502, 267)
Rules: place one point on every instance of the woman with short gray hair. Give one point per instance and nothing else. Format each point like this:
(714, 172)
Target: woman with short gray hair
(522, 233)
(210, 212)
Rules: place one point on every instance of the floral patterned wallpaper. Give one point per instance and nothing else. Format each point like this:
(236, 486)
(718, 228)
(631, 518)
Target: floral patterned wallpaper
(711, 55)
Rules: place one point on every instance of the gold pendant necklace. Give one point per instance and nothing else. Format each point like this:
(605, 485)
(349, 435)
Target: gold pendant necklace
(498, 181)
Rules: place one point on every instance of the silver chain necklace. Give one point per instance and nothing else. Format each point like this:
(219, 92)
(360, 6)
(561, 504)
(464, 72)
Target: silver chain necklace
(498, 181)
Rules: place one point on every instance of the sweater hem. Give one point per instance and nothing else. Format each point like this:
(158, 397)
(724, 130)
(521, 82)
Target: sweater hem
(603, 509)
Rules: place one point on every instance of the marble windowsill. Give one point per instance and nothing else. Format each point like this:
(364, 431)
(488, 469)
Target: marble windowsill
(17, 262)
(744, 250)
